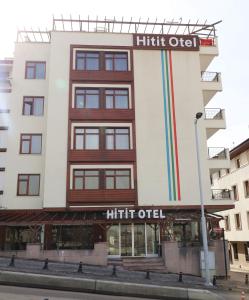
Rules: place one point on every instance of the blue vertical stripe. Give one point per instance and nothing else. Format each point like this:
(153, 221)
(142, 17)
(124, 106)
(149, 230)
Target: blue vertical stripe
(166, 125)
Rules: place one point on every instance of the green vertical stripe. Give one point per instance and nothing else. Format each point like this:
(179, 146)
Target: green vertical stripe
(170, 128)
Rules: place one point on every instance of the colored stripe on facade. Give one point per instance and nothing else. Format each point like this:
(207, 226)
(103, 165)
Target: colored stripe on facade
(174, 191)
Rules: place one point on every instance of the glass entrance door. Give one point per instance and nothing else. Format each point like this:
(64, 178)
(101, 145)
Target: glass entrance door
(133, 240)
(126, 240)
(139, 240)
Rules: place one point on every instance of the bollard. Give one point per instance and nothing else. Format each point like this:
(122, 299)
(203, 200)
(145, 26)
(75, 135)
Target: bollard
(12, 261)
(214, 280)
(180, 277)
(246, 279)
(45, 267)
(147, 275)
(80, 267)
(114, 273)
(242, 296)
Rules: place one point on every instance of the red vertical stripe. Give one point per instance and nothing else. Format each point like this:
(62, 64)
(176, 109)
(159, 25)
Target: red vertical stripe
(174, 126)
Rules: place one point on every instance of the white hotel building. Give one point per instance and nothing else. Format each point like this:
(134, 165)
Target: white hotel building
(97, 143)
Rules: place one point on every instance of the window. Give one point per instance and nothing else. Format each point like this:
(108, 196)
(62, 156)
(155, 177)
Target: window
(116, 61)
(35, 70)
(246, 187)
(116, 99)
(86, 98)
(33, 106)
(31, 144)
(235, 192)
(246, 246)
(238, 163)
(227, 223)
(235, 251)
(117, 138)
(87, 61)
(117, 179)
(28, 185)
(238, 224)
(247, 213)
(86, 138)
(85, 179)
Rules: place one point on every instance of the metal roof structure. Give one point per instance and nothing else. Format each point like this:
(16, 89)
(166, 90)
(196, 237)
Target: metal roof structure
(122, 25)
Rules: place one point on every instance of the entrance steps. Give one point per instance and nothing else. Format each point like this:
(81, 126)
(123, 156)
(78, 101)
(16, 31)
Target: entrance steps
(153, 264)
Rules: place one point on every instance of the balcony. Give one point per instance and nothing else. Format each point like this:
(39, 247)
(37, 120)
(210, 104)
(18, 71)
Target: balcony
(218, 158)
(210, 84)
(224, 194)
(102, 197)
(208, 50)
(214, 120)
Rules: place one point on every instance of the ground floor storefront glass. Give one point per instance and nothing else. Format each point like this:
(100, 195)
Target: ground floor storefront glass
(133, 240)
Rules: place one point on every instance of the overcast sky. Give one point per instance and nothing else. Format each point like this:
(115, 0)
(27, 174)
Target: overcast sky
(233, 61)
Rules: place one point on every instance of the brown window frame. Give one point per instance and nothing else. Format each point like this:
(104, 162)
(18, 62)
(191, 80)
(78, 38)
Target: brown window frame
(83, 177)
(227, 223)
(114, 176)
(85, 58)
(246, 188)
(114, 59)
(22, 139)
(114, 134)
(236, 223)
(27, 187)
(84, 134)
(114, 95)
(34, 69)
(85, 94)
(32, 103)
(235, 192)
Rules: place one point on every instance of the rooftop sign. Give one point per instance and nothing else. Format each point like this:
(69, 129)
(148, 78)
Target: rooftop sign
(167, 42)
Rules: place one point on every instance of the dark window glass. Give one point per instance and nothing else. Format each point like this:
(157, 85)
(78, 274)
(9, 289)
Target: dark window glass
(117, 179)
(116, 61)
(86, 98)
(86, 138)
(35, 70)
(235, 251)
(117, 138)
(28, 185)
(31, 144)
(116, 99)
(87, 61)
(85, 179)
(33, 106)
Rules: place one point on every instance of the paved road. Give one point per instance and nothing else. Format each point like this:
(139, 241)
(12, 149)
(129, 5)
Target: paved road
(22, 293)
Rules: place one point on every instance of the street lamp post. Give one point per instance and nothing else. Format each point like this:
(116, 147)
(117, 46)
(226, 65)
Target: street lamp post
(203, 218)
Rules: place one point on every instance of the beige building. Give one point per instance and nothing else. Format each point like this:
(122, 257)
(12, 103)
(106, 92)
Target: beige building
(236, 221)
(98, 144)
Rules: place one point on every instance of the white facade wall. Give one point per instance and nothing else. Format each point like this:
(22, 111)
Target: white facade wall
(150, 132)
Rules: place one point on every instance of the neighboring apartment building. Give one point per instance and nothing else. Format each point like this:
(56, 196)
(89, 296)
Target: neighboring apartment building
(236, 221)
(100, 159)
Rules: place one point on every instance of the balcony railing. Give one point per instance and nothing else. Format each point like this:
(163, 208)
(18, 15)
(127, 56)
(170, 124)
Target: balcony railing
(217, 153)
(213, 114)
(221, 194)
(210, 76)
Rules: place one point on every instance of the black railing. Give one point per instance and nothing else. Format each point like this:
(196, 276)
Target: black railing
(213, 114)
(217, 153)
(210, 76)
(221, 194)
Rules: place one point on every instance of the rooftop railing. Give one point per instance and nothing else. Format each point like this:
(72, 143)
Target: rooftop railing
(222, 194)
(217, 153)
(213, 114)
(210, 76)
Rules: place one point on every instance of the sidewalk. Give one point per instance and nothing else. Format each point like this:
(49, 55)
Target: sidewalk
(100, 276)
